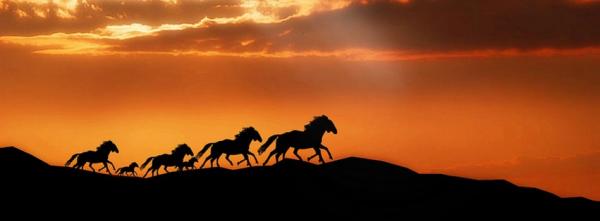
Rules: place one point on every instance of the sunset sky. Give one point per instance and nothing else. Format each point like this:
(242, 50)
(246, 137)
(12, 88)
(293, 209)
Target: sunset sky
(489, 89)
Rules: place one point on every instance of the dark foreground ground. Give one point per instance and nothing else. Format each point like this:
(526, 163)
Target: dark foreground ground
(346, 188)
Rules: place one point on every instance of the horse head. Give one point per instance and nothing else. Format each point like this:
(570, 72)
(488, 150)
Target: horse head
(254, 135)
(248, 133)
(183, 149)
(322, 123)
(109, 146)
(330, 126)
(134, 165)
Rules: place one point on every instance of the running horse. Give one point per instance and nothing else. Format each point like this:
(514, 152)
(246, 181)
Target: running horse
(174, 159)
(92, 157)
(311, 137)
(128, 169)
(188, 165)
(239, 145)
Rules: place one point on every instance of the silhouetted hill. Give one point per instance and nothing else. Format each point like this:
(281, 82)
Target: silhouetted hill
(350, 188)
(15, 161)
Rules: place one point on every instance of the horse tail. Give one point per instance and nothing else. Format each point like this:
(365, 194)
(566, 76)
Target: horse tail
(71, 159)
(147, 161)
(204, 149)
(117, 172)
(266, 144)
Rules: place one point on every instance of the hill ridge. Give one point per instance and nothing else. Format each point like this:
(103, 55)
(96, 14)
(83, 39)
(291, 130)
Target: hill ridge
(348, 185)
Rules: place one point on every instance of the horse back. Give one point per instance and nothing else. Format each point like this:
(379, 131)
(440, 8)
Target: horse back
(89, 156)
(300, 139)
(223, 142)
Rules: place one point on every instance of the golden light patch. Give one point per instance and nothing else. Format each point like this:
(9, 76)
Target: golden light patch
(247, 42)
(58, 43)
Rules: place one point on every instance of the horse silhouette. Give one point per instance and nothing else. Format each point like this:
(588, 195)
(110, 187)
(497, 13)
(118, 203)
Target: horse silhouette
(168, 160)
(239, 145)
(311, 137)
(188, 165)
(92, 157)
(128, 169)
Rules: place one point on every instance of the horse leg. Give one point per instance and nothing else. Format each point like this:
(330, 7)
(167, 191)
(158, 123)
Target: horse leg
(247, 160)
(103, 167)
(106, 167)
(165, 168)
(238, 163)
(269, 157)
(326, 149)
(113, 166)
(217, 159)
(281, 150)
(147, 172)
(90, 165)
(251, 154)
(78, 165)
(318, 152)
(297, 155)
(205, 160)
(277, 157)
(228, 160)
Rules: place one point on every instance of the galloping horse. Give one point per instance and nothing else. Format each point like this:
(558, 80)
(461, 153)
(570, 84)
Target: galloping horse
(98, 156)
(311, 137)
(128, 169)
(239, 145)
(168, 160)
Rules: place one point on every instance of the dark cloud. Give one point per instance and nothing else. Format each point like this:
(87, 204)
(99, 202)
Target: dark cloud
(421, 25)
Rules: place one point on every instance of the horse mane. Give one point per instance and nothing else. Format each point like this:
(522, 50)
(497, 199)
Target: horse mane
(104, 144)
(178, 148)
(245, 132)
(317, 122)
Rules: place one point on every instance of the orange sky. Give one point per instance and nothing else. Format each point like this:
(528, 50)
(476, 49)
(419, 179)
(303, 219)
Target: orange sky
(510, 95)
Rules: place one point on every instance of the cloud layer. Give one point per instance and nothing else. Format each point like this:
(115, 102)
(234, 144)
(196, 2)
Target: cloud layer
(371, 29)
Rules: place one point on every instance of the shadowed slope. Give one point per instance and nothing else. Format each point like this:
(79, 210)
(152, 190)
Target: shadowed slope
(16, 161)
